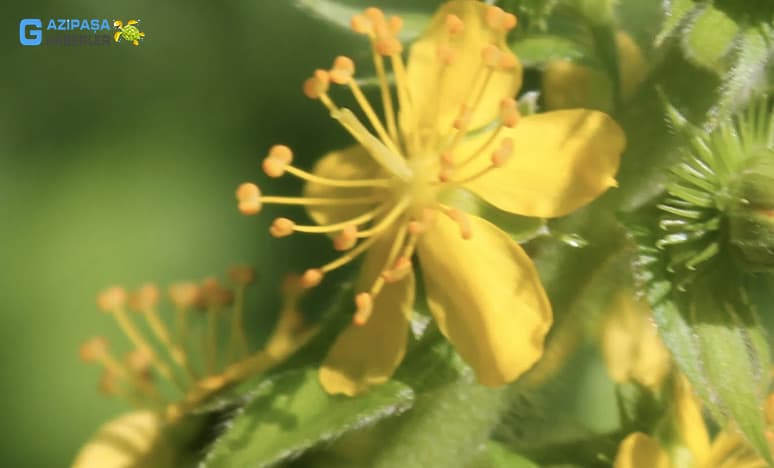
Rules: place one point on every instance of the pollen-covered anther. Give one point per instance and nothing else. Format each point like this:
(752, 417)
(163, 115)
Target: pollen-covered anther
(311, 278)
(364, 304)
(508, 61)
(184, 295)
(446, 54)
(139, 362)
(346, 239)
(343, 69)
(499, 20)
(360, 24)
(279, 157)
(112, 298)
(454, 24)
(249, 198)
(94, 349)
(281, 227)
(491, 56)
(462, 220)
(399, 271)
(447, 159)
(501, 155)
(213, 294)
(445, 174)
(388, 45)
(242, 274)
(145, 298)
(375, 15)
(108, 384)
(463, 118)
(395, 24)
(509, 112)
(317, 85)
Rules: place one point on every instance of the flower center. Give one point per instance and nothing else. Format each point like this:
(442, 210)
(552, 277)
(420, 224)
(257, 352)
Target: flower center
(417, 159)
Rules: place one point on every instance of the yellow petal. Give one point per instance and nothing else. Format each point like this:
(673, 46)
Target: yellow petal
(132, 440)
(487, 298)
(367, 355)
(561, 161)
(438, 97)
(347, 164)
(640, 451)
(690, 422)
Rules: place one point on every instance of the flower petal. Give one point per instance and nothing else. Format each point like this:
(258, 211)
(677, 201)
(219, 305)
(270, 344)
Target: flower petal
(367, 355)
(132, 440)
(428, 86)
(561, 161)
(487, 298)
(347, 164)
(639, 450)
(690, 422)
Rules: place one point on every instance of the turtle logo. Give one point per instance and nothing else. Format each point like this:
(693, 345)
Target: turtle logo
(128, 32)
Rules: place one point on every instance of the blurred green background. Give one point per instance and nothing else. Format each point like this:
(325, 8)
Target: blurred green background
(118, 166)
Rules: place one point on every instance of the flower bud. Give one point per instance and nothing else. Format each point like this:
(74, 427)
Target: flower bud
(751, 216)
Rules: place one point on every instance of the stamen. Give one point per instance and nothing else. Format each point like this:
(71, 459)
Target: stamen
(364, 304)
(241, 276)
(249, 199)
(509, 113)
(346, 239)
(281, 227)
(317, 85)
(324, 229)
(499, 20)
(280, 156)
(311, 201)
(360, 24)
(388, 219)
(454, 24)
(311, 278)
(342, 73)
(215, 297)
(462, 220)
(184, 296)
(399, 271)
(395, 25)
(501, 155)
(446, 55)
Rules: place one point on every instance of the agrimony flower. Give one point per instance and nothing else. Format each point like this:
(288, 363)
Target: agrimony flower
(385, 197)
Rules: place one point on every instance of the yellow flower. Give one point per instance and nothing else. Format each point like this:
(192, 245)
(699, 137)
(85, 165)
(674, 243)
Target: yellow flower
(567, 84)
(385, 197)
(694, 448)
(132, 440)
(632, 349)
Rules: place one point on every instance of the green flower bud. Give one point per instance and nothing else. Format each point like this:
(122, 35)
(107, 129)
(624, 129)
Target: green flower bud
(751, 218)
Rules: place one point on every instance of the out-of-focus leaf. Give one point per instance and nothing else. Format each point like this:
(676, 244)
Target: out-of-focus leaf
(498, 456)
(290, 413)
(340, 14)
(709, 38)
(675, 11)
(539, 49)
(748, 75)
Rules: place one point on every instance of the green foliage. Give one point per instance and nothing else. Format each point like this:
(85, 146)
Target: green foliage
(291, 412)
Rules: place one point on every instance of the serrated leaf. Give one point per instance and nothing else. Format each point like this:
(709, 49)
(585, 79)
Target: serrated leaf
(340, 14)
(537, 50)
(709, 38)
(291, 413)
(675, 11)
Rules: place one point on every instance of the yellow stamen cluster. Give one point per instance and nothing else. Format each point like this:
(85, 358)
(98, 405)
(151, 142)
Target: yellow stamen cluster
(415, 163)
(197, 368)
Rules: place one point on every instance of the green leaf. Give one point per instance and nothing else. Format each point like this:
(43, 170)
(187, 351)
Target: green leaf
(675, 12)
(498, 456)
(292, 413)
(539, 49)
(340, 14)
(749, 74)
(709, 38)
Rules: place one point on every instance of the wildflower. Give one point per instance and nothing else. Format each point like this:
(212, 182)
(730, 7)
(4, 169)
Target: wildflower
(198, 372)
(694, 447)
(385, 198)
(632, 349)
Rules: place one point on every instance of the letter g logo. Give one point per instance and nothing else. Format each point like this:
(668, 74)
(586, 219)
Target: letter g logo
(30, 32)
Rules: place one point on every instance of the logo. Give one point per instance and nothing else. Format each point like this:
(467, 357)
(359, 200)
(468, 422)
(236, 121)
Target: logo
(128, 32)
(78, 32)
(30, 32)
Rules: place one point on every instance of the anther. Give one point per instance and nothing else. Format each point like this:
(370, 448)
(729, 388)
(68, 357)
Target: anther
(311, 278)
(454, 24)
(360, 24)
(242, 274)
(509, 112)
(495, 16)
(447, 159)
(364, 303)
(395, 24)
(399, 271)
(508, 61)
(281, 227)
(415, 227)
(446, 54)
(491, 55)
(501, 155)
(463, 118)
(317, 85)
(139, 362)
(107, 383)
(445, 174)
(111, 298)
(346, 239)
(144, 298)
(279, 157)
(388, 46)
(215, 295)
(94, 349)
(462, 220)
(374, 14)
(249, 198)
(343, 69)
(184, 295)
